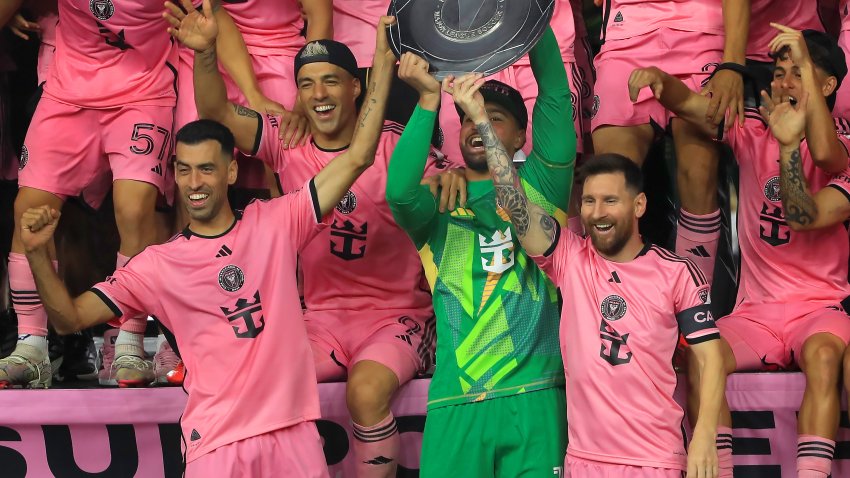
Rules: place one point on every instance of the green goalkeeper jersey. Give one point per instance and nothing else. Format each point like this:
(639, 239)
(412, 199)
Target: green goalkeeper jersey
(497, 313)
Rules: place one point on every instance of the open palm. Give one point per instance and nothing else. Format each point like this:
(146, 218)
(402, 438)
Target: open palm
(788, 122)
(195, 29)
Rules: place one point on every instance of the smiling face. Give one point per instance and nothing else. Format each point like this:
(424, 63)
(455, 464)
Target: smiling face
(328, 94)
(203, 172)
(506, 127)
(610, 211)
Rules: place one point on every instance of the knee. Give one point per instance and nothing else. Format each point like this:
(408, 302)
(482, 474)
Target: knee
(367, 394)
(823, 365)
(130, 214)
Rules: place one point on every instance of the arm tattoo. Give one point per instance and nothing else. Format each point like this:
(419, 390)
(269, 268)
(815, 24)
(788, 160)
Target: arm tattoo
(243, 111)
(509, 191)
(368, 104)
(797, 201)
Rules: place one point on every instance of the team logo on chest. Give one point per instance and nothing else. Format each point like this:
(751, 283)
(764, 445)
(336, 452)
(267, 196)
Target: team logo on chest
(231, 278)
(347, 204)
(613, 307)
(102, 9)
(25, 157)
(771, 189)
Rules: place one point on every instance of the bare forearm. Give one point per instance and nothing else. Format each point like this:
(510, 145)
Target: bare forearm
(210, 91)
(8, 9)
(736, 23)
(319, 18)
(797, 201)
(54, 295)
(234, 57)
(827, 152)
(364, 144)
(712, 389)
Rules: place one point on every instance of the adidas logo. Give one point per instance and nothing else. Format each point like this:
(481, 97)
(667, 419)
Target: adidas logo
(618, 18)
(195, 436)
(699, 251)
(615, 278)
(224, 252)
(405, 338)
(157, 169)
(379, 460)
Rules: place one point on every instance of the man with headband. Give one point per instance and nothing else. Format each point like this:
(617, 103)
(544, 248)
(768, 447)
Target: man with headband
(368, 312)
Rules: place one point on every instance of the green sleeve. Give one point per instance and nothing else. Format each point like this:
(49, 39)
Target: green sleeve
(412, 204)
(550, 166)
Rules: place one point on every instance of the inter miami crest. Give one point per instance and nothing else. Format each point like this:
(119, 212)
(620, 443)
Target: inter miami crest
(25, 157)
(347, 204)
(613, 308)
(102, 9)
(771, 189)
(704, 296)
(231, 278)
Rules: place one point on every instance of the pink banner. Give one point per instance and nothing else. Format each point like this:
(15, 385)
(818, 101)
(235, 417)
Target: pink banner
(133, 433)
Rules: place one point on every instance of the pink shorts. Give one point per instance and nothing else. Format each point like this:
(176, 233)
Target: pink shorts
(402, 341)
(580, 468)
(68, 149)
(770, 336)
(276, 80)
(690, 56)
(294, 452)
(522, 78)
(842, 98)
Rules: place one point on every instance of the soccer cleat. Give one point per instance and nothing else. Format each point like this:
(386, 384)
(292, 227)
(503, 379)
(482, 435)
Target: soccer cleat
(133, 371)
(17, 371)
(176, 376)
(105, 373)
(164, 362)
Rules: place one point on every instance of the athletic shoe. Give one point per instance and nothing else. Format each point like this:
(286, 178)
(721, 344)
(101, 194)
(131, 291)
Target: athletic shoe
(80, 358)
(133, 371)
(105, 375)
(176, 376)
(17, 371)
(55, 350)
(164, 361)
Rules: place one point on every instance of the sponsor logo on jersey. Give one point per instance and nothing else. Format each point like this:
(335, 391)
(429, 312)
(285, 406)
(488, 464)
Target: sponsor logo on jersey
(102, 9)
(498, 244)
(231, 278)
(348, 203)
(771, 189)
(613, 307)
(25, 157)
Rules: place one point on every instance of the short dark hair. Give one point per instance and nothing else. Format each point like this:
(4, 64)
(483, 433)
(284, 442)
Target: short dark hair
(612, 163)
(204, 130)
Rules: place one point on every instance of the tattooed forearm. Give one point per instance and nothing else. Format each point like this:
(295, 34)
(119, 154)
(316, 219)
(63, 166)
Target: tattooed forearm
(514, 202)
(797, 200)
(509, 192)
(243, 111)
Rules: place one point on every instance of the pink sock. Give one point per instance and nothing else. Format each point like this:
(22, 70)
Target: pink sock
(724, 451)
(814, 456)
(32, 318)
(376, 449)
(574, 224)
(696, 239)
(135, 325)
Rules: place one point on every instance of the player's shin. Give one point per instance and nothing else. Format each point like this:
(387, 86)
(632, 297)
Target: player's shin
(376, 448)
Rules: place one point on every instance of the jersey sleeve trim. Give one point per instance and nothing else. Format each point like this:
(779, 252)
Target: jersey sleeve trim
(106, 300)
(696, 274)
(840, 189)
(314, 197)
(258, 137)
(554, 244)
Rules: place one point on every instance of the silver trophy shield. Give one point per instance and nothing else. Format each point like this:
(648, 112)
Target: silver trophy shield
(464, 36)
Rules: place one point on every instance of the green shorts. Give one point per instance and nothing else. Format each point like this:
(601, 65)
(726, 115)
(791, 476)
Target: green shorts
(523, 435)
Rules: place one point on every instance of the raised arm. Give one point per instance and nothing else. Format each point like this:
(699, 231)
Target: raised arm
(726, 87)
(198, 31)
(334, 180)
(535, 228)
(66, 314)
(824, 146)
(675, 96)
(318, 14)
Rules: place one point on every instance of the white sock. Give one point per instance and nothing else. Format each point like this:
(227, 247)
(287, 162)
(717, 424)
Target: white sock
(128, 343)
(35, 347)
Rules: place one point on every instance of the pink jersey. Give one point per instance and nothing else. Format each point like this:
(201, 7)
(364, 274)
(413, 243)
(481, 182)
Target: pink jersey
(232, 304)
(563, 25)
(354, 26)
(269, 27)
(630, 18)
(364, 261)
(111, 54)
(620, 325)
(778, 265)
(796, 14)
(48, 24)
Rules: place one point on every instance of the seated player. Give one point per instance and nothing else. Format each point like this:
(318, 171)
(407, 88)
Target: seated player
(788, 310)
(497, 314)
(108, 105)
(369, 319)
(624, 304)
(227, 312)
